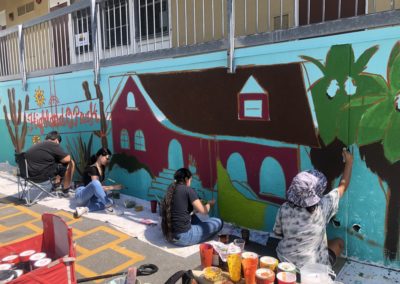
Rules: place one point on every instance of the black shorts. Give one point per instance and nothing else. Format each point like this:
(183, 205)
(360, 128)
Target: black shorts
(332, 257)
(60, 170)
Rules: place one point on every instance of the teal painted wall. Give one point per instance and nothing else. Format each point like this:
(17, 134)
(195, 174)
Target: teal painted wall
(366, 201)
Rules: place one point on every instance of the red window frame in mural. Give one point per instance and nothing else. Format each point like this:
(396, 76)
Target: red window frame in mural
(264, 98)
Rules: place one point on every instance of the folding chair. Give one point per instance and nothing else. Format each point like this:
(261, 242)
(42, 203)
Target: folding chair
(26, 185)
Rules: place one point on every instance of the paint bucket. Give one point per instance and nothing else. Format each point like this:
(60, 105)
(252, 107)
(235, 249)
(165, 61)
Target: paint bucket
(286, 278)
(5, 266)
(41, 263)
(265, 276)
(286, 267)
(24, 258)
(35, 257)
(314, 273)
(12, 259)
(25, 255)
(269, 262)
(249, 265)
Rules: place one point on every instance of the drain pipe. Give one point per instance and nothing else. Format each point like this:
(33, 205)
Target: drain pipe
(22, 56)
(96, 59)
(231, 35)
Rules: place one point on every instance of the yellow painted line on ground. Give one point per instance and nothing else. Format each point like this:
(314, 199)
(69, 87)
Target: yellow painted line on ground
(19, 239)
(83, 252)
(11, 215)
(9, 204)
(67, 215)
(34, 227)
(84, 271)
(77, 233)
(89, 253)
(129, 253)
(123, 266)
(30, 212)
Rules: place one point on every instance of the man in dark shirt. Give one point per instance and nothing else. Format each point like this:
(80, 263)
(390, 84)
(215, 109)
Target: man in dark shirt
(48, 163)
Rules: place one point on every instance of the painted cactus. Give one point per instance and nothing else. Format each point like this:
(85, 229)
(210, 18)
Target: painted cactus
(102, 133)
(17, 137)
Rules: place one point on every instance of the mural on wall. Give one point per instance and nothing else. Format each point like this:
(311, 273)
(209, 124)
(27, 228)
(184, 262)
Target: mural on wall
(202, 110)
(79, 116)
(17, 117)
(355, 107)
(243, 135)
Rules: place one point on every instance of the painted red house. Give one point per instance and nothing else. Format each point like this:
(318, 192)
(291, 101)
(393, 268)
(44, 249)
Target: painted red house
(191, 119)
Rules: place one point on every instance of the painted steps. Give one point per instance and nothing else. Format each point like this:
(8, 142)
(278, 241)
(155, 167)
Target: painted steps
(161, 183)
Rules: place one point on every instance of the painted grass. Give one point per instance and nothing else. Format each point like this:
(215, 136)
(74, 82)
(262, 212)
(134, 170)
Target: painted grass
(234, 207)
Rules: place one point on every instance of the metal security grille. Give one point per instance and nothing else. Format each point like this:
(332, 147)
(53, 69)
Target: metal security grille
(91, 31)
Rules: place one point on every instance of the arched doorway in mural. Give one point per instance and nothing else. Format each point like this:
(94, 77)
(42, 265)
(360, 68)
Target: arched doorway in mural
(237, 171)
(175, 155)
(272, 178)
(236, 167)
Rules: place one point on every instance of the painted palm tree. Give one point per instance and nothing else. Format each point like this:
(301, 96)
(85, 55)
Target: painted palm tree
(357, 107)
(378, 139)
(343, 81)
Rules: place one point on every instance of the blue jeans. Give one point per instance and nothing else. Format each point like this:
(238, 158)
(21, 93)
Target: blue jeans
(199, 232)
(92, 196)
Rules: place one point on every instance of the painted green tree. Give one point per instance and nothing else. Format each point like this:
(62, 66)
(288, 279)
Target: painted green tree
(343, 82)
(353, 106)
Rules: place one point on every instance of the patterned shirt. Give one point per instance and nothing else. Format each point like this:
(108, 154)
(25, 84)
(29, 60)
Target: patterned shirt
(304, 234)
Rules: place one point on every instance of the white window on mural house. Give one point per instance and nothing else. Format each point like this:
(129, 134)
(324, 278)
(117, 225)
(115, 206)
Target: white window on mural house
(139, 141)
(130, 101)
(124, 139)
(253, 108)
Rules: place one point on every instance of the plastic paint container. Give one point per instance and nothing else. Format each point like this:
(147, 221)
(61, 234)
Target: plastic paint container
(269, 262)
(265, 276)
(25, 255)
(286, 267)
(24, 258)
(12, 259)
(6, 266)
(35, 257)
(249, 254)
(286, 278)
(41, 263)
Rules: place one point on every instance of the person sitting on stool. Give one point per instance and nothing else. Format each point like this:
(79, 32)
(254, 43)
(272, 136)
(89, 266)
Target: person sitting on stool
(48, 164)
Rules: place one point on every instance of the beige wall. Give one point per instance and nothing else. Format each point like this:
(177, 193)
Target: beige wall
(381, 5)
(187, 32)
(11, 6)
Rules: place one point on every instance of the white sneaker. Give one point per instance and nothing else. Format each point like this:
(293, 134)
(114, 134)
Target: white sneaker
(114, 210)
(79, 211)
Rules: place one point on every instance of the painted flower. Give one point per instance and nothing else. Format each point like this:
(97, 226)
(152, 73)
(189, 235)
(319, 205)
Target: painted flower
(35, 139)
(39, 97)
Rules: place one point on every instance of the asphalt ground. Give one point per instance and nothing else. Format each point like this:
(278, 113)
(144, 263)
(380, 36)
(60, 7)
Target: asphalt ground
(102, 249)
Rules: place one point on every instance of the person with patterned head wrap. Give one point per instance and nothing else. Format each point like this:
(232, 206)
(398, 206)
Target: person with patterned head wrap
(302, 220)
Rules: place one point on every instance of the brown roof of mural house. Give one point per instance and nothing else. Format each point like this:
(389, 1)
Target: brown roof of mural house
(206, 102)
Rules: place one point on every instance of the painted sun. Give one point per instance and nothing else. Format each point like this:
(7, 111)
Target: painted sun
(35, 139)
(39, 97)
